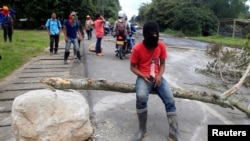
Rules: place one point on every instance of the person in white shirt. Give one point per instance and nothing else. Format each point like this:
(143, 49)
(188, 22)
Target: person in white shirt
(107, 27)
(89, 26)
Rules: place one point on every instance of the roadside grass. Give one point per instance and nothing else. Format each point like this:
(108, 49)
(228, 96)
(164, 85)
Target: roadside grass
(224, 40)
(235, 42)
(25, 45)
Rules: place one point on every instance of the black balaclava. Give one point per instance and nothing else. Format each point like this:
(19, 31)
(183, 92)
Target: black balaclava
(151, 34)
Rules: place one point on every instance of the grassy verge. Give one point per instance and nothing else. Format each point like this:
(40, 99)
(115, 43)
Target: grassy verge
(224, 40)
(31, 43)
(25, 45)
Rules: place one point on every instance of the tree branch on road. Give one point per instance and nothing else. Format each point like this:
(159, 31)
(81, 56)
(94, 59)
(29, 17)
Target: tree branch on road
(103, 84)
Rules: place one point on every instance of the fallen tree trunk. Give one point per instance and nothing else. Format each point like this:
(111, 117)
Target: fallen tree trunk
(236, 87)
(102, 84)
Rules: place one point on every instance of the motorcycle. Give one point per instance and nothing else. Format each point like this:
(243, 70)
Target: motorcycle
(108, 31)
(122, 46)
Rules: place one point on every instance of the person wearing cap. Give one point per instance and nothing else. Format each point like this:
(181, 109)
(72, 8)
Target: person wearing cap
(147, 61)
(89, 26)
(7, 23)
(70, 30)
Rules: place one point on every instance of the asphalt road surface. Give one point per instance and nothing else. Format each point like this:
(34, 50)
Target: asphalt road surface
(114, 114)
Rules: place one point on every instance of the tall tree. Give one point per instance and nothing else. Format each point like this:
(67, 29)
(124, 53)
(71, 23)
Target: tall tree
(191, 16)
(37, 11)
(223, 8)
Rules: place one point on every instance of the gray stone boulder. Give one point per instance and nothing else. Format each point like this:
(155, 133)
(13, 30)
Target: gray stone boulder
(45, 115)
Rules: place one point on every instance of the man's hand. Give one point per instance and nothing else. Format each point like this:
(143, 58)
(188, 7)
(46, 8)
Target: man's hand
(66, 39)
(147, 78)
(157, 81)
(80, 37)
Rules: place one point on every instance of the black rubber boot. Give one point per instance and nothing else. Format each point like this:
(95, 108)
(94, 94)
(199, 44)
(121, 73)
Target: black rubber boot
(66, 55)
(55, 50)
(142, 117)
(173, 127)
(78, 55)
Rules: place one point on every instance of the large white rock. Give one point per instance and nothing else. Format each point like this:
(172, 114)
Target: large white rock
(45, 115)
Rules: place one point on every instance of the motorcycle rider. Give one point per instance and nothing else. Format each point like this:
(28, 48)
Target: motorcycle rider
(107, 27)
(129, 34)
(121, 18)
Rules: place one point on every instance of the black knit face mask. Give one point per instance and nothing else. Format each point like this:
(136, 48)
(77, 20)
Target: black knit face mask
(151, 40)
(151, 34)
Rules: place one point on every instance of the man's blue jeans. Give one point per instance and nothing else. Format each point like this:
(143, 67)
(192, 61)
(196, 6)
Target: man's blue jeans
(143, 90)
(75, 44)
(130, 42)
(98, 45)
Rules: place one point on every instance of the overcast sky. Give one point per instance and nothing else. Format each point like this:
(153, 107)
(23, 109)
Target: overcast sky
(131, 6)
(248, 2)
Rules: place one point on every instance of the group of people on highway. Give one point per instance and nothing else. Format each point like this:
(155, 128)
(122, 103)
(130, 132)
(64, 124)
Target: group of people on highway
(147, 61)
(73, 34)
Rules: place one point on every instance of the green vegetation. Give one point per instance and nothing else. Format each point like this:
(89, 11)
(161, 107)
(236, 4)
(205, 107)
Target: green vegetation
(37, 12)
(26, 44)
(195, 19)
(224, 40)
(192, 17)
(31, 43)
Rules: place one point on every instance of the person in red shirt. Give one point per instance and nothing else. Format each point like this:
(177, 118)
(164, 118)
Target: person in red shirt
(147, 61)
(98, 24)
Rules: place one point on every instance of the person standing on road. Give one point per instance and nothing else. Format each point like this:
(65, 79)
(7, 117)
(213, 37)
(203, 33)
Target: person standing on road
(53, 26)
(79, 37)
(7, 22)
(82, 32)
(98, 24)
(70, 30)
(147, 61)
(89, 26)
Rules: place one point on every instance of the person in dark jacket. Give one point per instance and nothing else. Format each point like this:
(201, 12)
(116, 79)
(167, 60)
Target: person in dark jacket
(70, 30)
(7, 22)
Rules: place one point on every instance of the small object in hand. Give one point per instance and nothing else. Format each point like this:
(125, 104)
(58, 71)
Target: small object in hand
(151, 78)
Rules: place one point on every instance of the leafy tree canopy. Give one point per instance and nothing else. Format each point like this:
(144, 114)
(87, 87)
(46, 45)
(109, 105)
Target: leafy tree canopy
(193, 17)
(37, 11)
